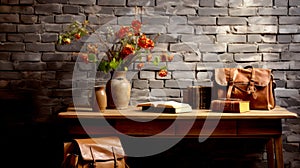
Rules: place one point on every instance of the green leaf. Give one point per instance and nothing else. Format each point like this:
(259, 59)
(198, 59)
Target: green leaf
(156, 61)
(59, 39)
(114, 64)
(92, 57)
(103, 66)
(163, 67)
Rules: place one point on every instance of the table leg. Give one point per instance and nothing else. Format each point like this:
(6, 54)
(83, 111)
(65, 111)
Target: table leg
(278, 151)
(270, 153)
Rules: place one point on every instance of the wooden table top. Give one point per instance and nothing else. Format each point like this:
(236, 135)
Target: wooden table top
(136, 112)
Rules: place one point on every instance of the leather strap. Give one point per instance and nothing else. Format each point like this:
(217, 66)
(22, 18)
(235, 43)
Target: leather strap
(94, 161)
(251, 88)
(93, 164)
(115, 158)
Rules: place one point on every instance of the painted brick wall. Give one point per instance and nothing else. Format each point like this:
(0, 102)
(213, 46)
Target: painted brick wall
(202, 35)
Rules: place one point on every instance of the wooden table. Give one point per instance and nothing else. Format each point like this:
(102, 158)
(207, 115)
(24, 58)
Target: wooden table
(134, 122)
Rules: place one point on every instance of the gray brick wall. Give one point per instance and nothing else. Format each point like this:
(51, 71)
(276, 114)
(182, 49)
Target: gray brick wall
(202, 35)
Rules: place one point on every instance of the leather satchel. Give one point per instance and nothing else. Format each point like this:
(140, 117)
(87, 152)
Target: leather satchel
(251, 84)
(103, 152)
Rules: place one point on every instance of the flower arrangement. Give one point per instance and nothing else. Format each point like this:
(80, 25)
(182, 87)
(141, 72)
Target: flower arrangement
(123, 47)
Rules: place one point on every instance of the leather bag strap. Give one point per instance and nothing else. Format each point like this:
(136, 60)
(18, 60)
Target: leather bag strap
(115, 158)
(94, 165)
(93, 157)
(251, 88)
(230, 82)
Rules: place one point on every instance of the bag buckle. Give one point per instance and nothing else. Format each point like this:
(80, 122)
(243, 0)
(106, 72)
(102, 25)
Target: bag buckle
(251, 89)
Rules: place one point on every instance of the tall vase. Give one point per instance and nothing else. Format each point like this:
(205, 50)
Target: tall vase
(118, 90)
(100, 98)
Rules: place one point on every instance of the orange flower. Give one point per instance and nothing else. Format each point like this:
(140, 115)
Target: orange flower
(145, 42)
(163, 73)
(127, 49)
(149, 57)
(140, 65)
(170, 58)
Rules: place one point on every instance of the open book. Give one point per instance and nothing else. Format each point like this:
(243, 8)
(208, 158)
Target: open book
(165, 107)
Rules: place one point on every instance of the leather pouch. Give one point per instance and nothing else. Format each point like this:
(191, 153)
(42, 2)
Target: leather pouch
(251, 84)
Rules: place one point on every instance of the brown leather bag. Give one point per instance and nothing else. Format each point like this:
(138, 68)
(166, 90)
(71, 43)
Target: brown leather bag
(253, 84)
(103, 152)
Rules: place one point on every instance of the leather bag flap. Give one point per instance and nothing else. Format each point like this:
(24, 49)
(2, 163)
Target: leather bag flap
(260, 76)
(102, 148)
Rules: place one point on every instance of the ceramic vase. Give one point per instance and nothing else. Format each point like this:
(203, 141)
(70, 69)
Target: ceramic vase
(100, 97)
(118, 90)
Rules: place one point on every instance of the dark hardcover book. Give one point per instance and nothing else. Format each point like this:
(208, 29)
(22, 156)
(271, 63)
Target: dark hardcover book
(199, 97)
(205, 97)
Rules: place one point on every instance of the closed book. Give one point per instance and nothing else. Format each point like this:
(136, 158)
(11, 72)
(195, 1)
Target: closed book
(199, 97)
(165, 107)
(230, 106)
(205, 97)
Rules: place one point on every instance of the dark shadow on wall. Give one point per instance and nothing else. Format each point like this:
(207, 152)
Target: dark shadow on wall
(26, 143)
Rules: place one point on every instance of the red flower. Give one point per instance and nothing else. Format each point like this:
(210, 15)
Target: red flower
(123, 32)
(136, 26)
(163, 73)
(145, 42)
(127, 49)
(77, 35)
